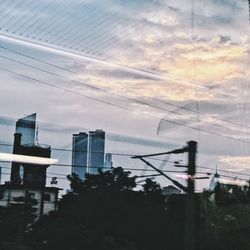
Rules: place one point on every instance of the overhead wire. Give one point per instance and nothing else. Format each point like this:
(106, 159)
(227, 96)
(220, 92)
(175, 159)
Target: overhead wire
(49, 72)
(172, 79)
(140, 169)
(101, 89)
(118, 106)
(131, 99)
(94, 59)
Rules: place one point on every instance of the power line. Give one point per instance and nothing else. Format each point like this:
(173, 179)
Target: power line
(123, 107)
(49, 72)
(151, 170)
(70, 9)
(130, 155)
(121, 96)
(148, 73)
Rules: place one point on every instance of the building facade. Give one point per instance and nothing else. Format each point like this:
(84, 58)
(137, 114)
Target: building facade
(43, 200)
(26, 126)
(80, 154)
(88, 153)
(96, 150)
(28, 180)
(108, 161)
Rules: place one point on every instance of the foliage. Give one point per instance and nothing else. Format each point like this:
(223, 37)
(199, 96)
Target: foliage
(152, 187)
(117, 180)
(227, 226)
(14, 222)
(102, 213)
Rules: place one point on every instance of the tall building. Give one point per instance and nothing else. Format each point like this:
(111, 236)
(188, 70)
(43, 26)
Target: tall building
(26, 126)
(80, 154)
(96, 150)
(28, 180)
(88, 153)
(24, 135)
(108, 161)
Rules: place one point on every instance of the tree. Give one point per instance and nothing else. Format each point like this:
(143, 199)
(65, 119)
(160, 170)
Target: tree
(116, 180)
(152, 187)
(14, 223)
(103, 213)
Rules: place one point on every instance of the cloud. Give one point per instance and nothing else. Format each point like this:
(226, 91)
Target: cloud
(241, 163)
(193, 58)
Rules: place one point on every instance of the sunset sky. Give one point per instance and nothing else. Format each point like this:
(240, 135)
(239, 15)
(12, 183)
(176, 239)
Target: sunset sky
(153, 74)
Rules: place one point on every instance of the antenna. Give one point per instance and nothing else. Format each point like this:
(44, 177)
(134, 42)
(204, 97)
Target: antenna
(216, 167)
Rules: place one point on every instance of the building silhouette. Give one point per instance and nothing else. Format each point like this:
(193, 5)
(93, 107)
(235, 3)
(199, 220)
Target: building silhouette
(96, 150)
(88, 153)
(28, 180)
(24, 135)
(108, 161)
(80, 154)
(26, 126)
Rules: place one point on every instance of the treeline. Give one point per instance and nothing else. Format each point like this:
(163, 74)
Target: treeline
(231, 194)
(108, 212)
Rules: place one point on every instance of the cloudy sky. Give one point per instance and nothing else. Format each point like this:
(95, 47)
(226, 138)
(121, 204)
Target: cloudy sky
(152, 73)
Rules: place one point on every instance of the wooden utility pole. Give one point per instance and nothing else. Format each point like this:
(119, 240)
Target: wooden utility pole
(189, 198)
(192, 149)
(190, 212)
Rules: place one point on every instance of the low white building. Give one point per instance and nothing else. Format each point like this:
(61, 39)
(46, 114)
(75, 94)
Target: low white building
(43, 200)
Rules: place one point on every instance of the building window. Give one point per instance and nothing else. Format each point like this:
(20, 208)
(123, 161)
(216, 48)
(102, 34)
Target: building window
(47, 197)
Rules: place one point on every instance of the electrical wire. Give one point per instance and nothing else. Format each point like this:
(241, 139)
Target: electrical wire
(104, 90)
(131, 99)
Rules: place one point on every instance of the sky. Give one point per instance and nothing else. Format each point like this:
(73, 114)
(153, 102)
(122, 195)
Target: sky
(153, 74)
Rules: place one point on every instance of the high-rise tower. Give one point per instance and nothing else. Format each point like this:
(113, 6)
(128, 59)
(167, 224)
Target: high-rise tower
(96, 150)
(80, 154)
(108, 161)
(88, 153)
(27, 184)
(25, 135)
(27, 127)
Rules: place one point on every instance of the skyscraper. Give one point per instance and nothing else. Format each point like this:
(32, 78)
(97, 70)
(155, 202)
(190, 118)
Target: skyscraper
(88, 153)
(28, 178)
(96, 150)
(80, 154)
(108, 161)
(25, 134)
(26, 126)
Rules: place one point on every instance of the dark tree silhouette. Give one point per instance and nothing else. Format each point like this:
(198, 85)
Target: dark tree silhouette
(15, 221)
(104, 212)
(152, 187)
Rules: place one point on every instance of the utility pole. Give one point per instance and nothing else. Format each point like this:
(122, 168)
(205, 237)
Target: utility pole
(190, 212)
(192, 149)
(189, 198)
